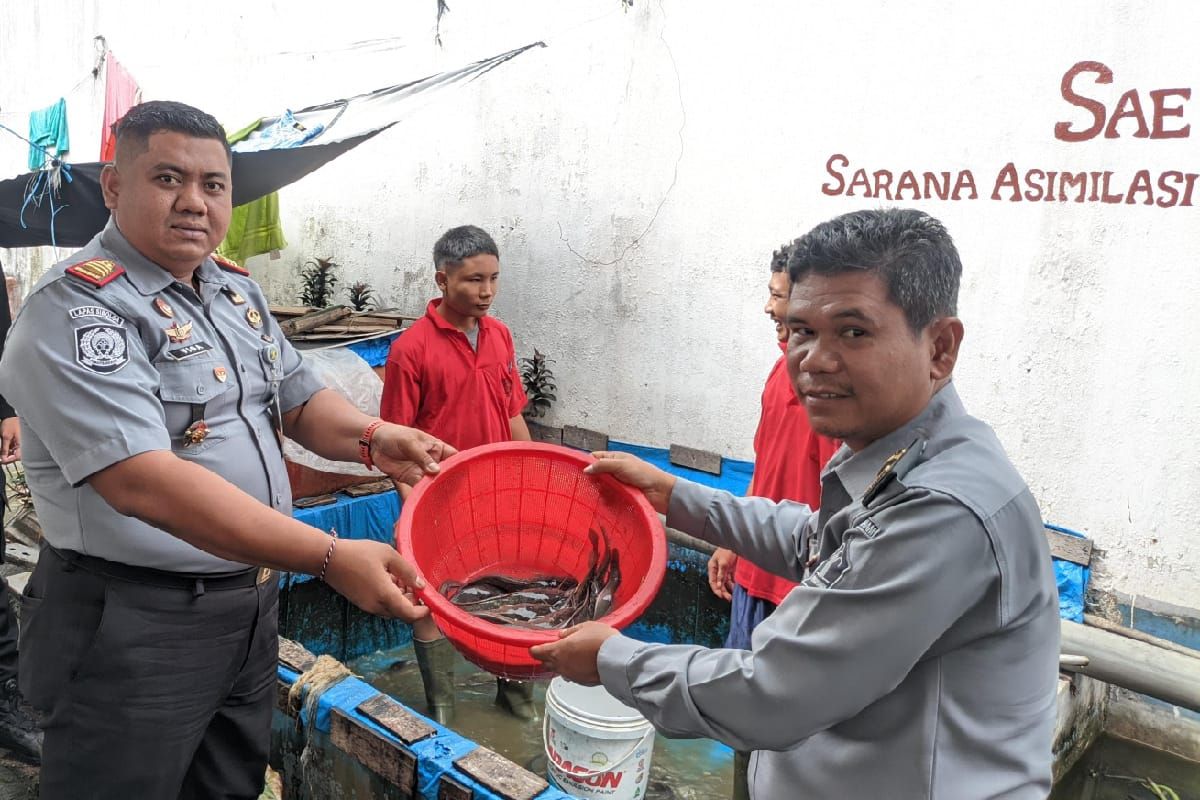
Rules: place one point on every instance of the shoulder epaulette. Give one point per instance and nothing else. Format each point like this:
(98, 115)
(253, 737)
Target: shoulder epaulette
(229, 266)
(897, 466)
(96, 271)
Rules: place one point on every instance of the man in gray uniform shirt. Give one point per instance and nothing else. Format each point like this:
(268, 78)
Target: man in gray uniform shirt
(918, 656)
(152, 386)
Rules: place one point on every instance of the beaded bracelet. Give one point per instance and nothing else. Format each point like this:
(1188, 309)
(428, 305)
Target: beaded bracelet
(364, 443)
(328, 556)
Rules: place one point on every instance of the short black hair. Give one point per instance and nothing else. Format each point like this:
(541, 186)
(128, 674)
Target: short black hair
(459, 244)
(911, 252)
(156, 116)
(779, 259)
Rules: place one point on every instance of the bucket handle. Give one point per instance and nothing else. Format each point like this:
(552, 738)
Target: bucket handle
(620, 762)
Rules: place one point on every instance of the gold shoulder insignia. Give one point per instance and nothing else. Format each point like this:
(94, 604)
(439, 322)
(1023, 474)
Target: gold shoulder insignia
(97, 271)
(896, 465)
(229, 266)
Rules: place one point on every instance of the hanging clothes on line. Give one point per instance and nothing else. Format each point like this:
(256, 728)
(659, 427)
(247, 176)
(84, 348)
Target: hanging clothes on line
(48, 132)
(254, 227)
(121, 93)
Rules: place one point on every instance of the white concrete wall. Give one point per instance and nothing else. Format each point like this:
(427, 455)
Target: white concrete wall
(639, 171)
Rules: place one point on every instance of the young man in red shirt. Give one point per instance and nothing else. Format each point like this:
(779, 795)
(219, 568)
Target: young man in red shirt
(454, 374)
(788, 458)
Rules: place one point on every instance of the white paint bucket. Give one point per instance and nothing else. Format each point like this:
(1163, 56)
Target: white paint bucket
(596, 746)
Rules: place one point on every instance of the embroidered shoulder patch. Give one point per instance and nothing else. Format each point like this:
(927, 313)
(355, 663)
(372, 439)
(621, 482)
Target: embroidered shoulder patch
(98, 312)
(830, 571)
(231, 266)
(97, 271)
(101, 348)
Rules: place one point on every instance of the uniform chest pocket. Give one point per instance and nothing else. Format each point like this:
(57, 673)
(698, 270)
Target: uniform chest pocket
(196, 404)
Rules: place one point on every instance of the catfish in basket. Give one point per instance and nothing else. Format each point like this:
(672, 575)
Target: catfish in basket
(544, 602)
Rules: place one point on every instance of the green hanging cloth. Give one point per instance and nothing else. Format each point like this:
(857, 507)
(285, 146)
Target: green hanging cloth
(48, 130)
(254, 227)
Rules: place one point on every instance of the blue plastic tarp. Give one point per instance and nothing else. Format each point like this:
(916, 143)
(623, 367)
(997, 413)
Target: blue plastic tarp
(1072, 581)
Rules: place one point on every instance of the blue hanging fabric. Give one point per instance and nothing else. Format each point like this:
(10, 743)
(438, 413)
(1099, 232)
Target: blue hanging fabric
(48, 131)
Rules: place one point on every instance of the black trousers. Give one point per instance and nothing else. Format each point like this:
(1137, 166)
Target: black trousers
(8, 619)
(148, 692)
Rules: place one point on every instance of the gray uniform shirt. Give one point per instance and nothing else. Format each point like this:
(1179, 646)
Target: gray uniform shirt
(917, 658)
(100, 373)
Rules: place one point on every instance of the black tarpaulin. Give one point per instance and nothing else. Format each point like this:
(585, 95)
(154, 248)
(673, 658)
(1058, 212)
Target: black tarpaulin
(79, 204)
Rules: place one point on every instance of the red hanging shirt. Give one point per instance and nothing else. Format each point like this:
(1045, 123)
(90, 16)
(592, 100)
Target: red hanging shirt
(434, 381)
(788, 458)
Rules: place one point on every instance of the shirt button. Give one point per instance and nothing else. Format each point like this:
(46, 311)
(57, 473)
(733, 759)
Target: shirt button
(242, 367)
(200, 389)
(278, 499)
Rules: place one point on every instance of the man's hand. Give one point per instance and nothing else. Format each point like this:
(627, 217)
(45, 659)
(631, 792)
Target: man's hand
(574, 654)
(374, 577)
(720, 573)
(653, 482)
(10, 440)
(407, 454)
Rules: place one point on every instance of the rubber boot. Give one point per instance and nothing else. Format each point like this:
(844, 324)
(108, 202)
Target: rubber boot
(436, 662)
(741, 776)
(515, 697)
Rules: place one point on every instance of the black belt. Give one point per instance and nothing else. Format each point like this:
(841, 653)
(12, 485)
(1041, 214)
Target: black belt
(196, 582)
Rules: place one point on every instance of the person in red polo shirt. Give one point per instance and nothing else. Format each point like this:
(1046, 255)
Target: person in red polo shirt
(454, 374)
(788, 458)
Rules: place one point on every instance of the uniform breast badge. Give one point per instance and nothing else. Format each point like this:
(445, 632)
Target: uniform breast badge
(254, 318)
(236, 298)
(164, 308)
(196, 433)
(220, 374)
(179, 333)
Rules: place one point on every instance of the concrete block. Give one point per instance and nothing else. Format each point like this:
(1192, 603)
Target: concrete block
(584, 439)
(691, 458)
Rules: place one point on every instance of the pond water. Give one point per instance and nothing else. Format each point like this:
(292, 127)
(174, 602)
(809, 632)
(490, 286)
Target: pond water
(681, 769)
(1116, 769)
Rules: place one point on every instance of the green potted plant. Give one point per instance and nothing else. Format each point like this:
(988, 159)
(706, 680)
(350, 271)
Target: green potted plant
(318, 277)
(362, 296)
(539, 383)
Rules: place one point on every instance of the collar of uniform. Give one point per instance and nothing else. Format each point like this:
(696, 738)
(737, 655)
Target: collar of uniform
(209, 272)
(440, 322)
(857, 470)
(146, 276)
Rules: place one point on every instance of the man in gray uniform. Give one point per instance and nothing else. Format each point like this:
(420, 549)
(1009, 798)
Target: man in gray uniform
(918, 656)
(152, 386)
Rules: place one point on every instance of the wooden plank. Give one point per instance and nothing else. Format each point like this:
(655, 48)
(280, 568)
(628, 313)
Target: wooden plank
(314, 320)
(450, 789)
(395, 763)
(544, 433)
(374, 487)
(1069, 548)
(294, 656)
(689, 457)
(358, 329)
(317, 500)
(584, 439)
(501, 775)
(290, 311)
(398, 720)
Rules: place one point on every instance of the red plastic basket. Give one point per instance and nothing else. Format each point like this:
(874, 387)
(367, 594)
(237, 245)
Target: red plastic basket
(524, 508)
